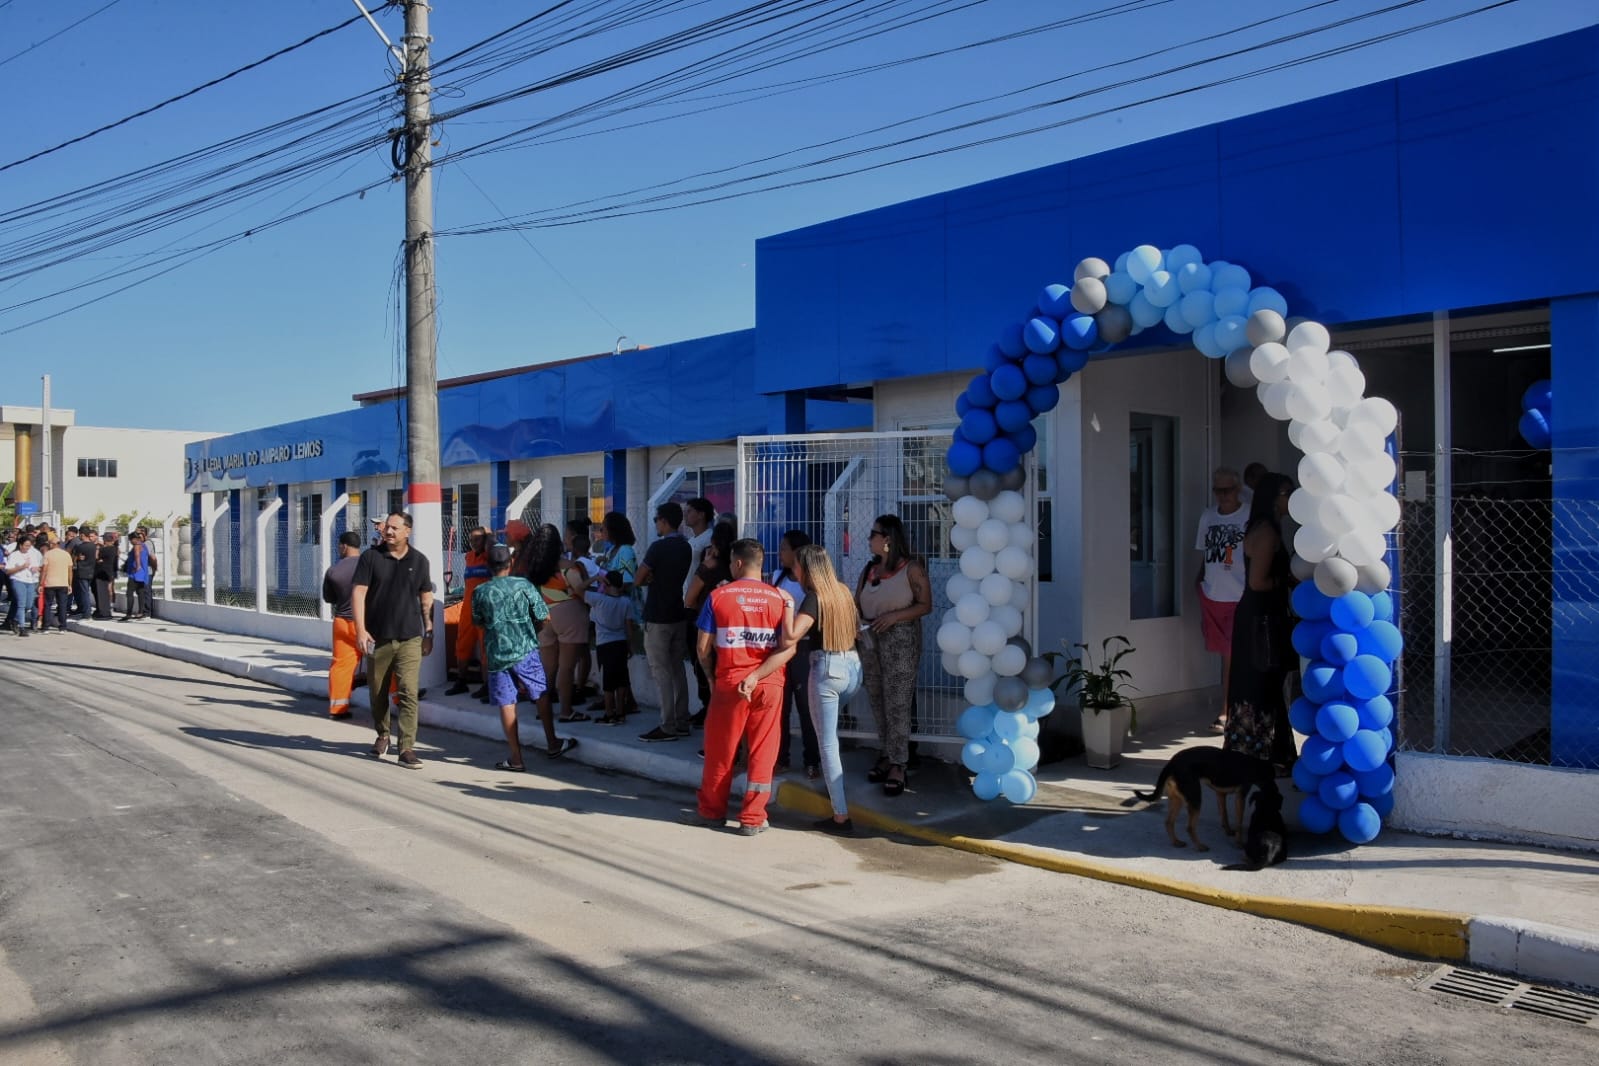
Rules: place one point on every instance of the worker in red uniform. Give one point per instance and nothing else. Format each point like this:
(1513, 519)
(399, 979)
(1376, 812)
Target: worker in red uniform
(467, 634)
(739, 630)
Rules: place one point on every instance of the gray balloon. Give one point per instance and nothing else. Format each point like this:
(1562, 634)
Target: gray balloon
(1013, 479)
(1038, 673)
(1237, 367)
(1010, 693)
(1092, 267)
(1088, 295)
(1265, 326)
(1021, 642)
(956, 486)
(1115, 324)
(1302, 569)
(1374, 578)
(984, 484)
(1335, 577)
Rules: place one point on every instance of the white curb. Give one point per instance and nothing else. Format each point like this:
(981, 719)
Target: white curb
(1534, 951)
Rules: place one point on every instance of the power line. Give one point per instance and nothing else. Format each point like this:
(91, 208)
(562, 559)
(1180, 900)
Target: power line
(58, 33)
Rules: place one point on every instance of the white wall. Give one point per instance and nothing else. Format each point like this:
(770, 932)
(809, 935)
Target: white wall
(309, 632)
(923, 401)
(1496, 800)
(149, 471)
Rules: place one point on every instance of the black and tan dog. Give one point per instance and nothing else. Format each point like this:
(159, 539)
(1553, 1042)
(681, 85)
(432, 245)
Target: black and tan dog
(1266, 842)
(1226, 773)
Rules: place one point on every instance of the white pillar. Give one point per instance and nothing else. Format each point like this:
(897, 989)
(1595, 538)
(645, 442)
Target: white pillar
(169, 534)
(264, 518)
(1443, 530)
(210, 515)
(325, 551)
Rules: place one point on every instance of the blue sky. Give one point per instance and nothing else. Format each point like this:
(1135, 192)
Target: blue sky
(290, 321)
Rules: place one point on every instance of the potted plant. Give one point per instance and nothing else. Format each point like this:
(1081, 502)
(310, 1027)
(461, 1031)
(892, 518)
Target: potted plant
(1102, 685)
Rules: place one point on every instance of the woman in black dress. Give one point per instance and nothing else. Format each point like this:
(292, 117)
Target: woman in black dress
(1257, 715)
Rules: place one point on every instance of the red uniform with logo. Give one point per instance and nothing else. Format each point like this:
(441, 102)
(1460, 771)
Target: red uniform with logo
(746, 619)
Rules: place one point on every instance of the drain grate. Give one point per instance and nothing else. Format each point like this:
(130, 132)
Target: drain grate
(1507, 992)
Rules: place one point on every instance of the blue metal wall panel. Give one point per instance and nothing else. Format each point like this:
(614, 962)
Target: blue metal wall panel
(1574, 711)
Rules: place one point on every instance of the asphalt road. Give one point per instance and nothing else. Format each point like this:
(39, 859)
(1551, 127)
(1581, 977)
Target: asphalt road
(199, 869)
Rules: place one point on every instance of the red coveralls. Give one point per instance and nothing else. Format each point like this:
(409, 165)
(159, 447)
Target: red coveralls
(467, 633)
(746, 619)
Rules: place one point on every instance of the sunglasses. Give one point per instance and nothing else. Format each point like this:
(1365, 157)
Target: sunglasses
(878, 533)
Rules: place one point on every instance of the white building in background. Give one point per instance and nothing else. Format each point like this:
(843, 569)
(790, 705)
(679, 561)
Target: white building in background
(96, 472)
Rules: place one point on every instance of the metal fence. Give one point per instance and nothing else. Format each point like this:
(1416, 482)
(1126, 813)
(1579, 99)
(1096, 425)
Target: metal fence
(832, 486)
(1477, 611)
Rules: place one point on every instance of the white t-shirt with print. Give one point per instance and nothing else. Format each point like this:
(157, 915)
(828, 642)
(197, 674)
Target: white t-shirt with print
(1221, 538)
(25, 565)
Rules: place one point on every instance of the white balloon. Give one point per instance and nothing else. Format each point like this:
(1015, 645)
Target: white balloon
(993, 535)
(1303, 506)
(971, 610)
(974, 664)
(1362, 547)
(1360, 440)
(1308, 402)
(1013, 563)
(1022, 536)
(1010, 661)
(988, 637)
(1295, 428)
(1319, 472)
(1307, 364)
(1309, 335)
(969, 511)
(1345, 384)
(1368, 477)
(995, 589)
(950, 662)
(1374, 577)
(978, 690)
(1383, 511)
(1335, 577)
(957, 586)
(962, 537)
(1378, 412)
(1021, 597)
(1339, 417)
(1338, 358)
(1313, 544)
(1007, 618)
(1321, 436)
(1274, 398)
(1340, 513)
(1269, 363)
(977, 563)
(954, 638)
(1009, 506)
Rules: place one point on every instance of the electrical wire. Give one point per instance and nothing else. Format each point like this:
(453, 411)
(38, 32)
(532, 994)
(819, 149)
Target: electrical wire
(65, 29)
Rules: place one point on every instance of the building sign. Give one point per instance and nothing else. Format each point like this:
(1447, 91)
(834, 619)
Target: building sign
(281, 453)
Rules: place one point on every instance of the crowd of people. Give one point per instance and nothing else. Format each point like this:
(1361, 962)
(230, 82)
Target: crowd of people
(541, 618)
(50, 576)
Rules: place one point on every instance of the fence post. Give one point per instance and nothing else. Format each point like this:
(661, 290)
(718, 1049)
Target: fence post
(212, 513)
(518, 505)
(169, 530)
(265, 515)
(324, 550)
(1443, 529)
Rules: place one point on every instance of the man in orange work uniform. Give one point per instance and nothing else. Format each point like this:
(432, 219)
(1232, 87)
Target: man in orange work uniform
(739, 630)
(337, 584)
(467, 634)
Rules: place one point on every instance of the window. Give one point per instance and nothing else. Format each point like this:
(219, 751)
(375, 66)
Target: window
(309, 517)
(714, 483)
(97, 468)
(583, 498)
(923, 507)
(1152, 528)
(396, 503)
(468, 496)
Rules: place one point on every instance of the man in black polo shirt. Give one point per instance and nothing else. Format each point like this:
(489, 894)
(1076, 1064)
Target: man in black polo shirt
(663, 574)
(393, 604)
(84, 551)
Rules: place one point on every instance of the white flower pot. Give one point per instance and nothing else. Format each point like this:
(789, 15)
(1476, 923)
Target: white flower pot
(1103, 732)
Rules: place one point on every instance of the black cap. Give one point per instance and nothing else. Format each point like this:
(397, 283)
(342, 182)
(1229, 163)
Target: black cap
(499, 555)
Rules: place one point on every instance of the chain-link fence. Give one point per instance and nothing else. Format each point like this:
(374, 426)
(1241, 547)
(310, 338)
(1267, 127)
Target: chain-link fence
(1477, 608)
(832, 487)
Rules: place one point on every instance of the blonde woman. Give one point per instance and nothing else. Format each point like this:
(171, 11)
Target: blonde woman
(824, 627)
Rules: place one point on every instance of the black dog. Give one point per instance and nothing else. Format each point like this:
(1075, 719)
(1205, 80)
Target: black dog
(1266, 843)
(1227, 773)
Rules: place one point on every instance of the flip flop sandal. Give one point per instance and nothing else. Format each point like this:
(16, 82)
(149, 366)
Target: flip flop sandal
(509, 768)
(565, 745)
(575, 716)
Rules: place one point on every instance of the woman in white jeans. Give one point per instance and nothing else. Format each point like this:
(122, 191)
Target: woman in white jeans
(824, 627)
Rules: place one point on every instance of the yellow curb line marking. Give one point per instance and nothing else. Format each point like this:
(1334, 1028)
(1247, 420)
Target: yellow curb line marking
(1430, 934)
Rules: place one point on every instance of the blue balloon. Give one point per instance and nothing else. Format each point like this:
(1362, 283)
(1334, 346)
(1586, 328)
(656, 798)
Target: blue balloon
(1001, 455)
(1360, 824)
(1320, 757)
(964, 458)
(1378, 781)
(1352, 612)
(1026, 749)
(1305, 780)
(994, 358)
(974, 755)
(1383, 804)
(1323, 681)
(1302, 716)
(1019, 786)
(986, 786)
(1012, 415)
(1375, 713)
(962, 404)
(1308, 636)
(980, 393)
(1337, 722)
(1310, 602)
(1008, 725)
(1025, 439)
(1011, 341)
(1383, 640)
(1339, 647)
(1314, 815)
(1041, 335)
(1367, 677)
(1338, 790)
(1365, 751)
(1040, 701)
(1539, 396)
(979, 426)
(1070, 361)
(1008, 382)
(1079, 331)
(1534, 427)
(1039, 370)
(1388, 737)
(975, 722)
(997, 758)
(1055, 301)
(1042, 398)
(1382, 606)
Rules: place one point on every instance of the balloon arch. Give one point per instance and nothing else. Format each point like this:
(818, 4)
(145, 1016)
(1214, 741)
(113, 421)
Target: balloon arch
(1344, 506)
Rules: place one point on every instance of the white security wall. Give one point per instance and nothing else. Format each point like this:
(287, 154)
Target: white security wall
(1496, 800)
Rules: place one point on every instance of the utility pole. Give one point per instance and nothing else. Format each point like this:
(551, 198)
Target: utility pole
(47, 498)
(424, 494)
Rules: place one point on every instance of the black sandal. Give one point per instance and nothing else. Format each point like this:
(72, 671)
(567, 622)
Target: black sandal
(564, 745)
(894, 786)
(878, 773)
(515, 768)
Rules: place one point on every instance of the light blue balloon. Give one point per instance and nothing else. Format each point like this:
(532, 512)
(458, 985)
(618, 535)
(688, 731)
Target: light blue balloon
(1205, 341)
(1008, 725)
(1026, 750)
(1198, 308)
(986, 786)
(974, 756)
(1231, 334)
(975, 722)
(1018, 786)
(998, 758)
(1229, 276)
(1175, 321)
(1181, 255)
(1193, 277)
(1161, 289)
(1231, 301)
(1382, 605)
(1266, 298)
(1120, 265)
(1120, 287)
(1145, 314)
(1143, 261)
(1040, 701)
(1031, 729)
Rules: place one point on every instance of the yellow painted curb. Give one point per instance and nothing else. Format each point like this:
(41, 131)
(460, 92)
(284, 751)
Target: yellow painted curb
(1430, 934)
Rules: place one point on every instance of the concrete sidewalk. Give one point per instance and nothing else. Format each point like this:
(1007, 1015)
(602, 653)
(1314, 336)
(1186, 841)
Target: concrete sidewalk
(1518, 909)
